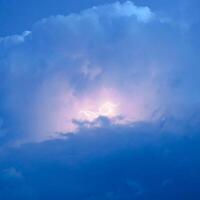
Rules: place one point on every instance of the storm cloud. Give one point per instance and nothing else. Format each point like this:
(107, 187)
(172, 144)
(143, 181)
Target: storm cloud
(142, 61)
(119, 50)
(136, 161)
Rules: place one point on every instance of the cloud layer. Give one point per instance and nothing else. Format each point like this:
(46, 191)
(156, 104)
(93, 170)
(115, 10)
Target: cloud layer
(140, 161)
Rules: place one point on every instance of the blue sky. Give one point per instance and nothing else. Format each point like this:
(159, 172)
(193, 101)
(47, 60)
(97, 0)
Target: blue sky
(99, 100)
(16, 16)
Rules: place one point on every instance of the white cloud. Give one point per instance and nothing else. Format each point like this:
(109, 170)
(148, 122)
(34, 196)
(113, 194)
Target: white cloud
(14, 39)
(126, 9)
(115, 52)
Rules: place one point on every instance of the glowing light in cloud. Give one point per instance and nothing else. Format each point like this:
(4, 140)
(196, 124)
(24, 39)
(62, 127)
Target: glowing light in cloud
(107, 109)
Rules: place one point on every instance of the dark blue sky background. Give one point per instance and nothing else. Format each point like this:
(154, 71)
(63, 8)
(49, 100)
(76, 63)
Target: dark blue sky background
(61, 58)
(17, 16)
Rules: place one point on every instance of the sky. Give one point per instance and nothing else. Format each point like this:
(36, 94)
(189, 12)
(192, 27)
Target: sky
(99, 99)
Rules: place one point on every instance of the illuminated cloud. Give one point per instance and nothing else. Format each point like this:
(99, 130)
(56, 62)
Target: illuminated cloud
(119, 53)
(116, 90)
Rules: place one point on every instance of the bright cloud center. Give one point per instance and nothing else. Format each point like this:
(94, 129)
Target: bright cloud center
(107, 109)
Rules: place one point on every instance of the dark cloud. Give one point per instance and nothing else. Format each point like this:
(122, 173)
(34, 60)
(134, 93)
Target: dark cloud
(140, 161)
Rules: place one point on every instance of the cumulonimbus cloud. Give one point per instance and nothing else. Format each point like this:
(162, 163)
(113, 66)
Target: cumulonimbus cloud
(115, 51)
